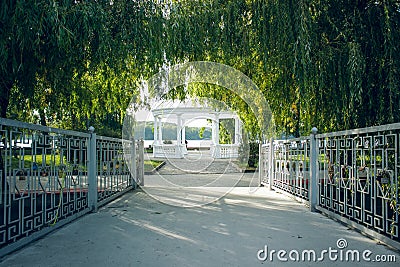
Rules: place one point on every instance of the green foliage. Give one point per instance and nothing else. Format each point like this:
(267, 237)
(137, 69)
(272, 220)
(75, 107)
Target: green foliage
(330, 64)
(248, 154)
(226, 131)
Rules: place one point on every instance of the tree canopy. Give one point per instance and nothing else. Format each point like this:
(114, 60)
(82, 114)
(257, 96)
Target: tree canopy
(331, 64)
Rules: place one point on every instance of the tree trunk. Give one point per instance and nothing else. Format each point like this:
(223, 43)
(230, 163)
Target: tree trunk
(42, 116)
(5, 89)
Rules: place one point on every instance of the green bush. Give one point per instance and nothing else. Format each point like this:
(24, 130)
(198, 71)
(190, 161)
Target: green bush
(248, 154)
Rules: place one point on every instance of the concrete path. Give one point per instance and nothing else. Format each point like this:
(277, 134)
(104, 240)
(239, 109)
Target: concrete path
(197, 162)
(137, 230)
(182, 182)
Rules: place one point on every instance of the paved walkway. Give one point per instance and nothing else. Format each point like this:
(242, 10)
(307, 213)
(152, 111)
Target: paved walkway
(233, 230)
(136, 230)
(198, 162)
(196, 180)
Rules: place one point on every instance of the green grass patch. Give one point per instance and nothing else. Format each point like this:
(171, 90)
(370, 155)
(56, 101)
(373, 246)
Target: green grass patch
(245, 166)
(149, 165)
(55, 160)
(28, 160)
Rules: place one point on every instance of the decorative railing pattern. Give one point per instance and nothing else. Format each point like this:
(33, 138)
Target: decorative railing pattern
(355, 175)
(360, 177)
(113, 173)
(46, 178)
(291, 166)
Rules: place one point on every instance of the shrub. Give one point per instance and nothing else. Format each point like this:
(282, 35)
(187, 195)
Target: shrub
(249, 152)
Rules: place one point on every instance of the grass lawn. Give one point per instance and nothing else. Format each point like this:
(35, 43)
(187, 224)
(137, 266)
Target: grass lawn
(28, 160)
(149, 165)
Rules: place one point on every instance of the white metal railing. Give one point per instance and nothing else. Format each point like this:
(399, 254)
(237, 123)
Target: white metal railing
(168, 151)
(221, 151)
(224, 151)
(287, 166)
(51, 176)
(351, 175)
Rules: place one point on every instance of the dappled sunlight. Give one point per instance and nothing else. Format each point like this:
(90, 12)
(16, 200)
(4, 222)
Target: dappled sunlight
(157, 229)
(257, 208)
(220, 228)
(186, 196)
(226, 232)
(262, 206)
(189, 189)
(258, 198)
(182, 197)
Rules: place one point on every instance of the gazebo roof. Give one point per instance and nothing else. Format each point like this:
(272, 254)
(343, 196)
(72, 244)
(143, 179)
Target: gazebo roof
(189, 108)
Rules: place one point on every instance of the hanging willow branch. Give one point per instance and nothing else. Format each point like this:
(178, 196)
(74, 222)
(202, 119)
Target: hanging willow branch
(330, 64)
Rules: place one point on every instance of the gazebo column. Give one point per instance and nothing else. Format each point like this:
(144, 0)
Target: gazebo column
(179, 150)
(238, 138)
(238, 131)
(155, 130)
(215, 130)
(159, 135)
(157, 145)
(179, 129)
(215, 136)
(184, 137)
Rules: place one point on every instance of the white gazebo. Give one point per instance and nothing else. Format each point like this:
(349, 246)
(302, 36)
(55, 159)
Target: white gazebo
(179, 113)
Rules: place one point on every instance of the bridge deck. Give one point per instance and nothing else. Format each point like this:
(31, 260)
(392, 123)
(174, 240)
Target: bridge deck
(137, 230)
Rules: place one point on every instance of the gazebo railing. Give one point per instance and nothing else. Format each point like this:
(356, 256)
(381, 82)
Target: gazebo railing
(225, 151)
(168, 151)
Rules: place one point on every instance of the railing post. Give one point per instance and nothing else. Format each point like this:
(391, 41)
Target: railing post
(271, 164)
(141, 162)
(92, 171)
(133, 164)
(313, 186)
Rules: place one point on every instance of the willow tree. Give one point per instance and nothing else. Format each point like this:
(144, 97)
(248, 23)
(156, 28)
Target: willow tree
(75, 63)
(331, 64)
(43, 45)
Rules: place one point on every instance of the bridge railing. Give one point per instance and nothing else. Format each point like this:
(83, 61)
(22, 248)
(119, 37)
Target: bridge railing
(51, 176)
(352, 176)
